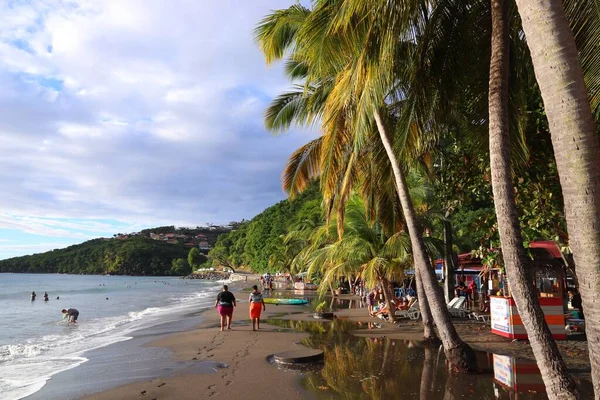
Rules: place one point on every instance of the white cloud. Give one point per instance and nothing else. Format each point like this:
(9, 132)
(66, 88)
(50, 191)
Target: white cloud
(143, 111)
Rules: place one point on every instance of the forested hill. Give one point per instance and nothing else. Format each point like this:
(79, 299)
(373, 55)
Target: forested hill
(253, 243)
(149, 252)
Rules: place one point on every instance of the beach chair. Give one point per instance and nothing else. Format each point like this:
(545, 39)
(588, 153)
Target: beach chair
(413, 312)
(452, 302)
(458, 309)
(479, 316)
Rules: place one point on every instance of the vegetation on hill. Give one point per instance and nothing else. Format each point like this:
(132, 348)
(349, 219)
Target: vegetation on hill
(125, 254)
(254, 242)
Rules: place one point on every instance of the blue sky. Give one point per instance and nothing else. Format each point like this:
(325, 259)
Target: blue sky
(118, 115)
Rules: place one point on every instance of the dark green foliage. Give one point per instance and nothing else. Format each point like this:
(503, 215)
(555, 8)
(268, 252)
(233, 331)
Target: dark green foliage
(181, 267)
(195, 258)
(253, 242)
(464, 187)
(137, 255)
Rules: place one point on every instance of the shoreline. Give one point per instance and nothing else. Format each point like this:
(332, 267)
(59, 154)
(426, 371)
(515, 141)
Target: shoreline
(125, 361)
(244, 353)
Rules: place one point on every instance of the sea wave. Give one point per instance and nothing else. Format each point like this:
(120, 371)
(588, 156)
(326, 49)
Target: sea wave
(26, 366)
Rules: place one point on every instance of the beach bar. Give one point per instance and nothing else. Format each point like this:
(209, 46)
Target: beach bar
(506, 321)
(549, 282)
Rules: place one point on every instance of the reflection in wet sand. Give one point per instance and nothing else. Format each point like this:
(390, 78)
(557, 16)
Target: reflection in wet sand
(382, 368)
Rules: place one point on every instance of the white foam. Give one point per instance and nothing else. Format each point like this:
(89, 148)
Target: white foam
(26, 367)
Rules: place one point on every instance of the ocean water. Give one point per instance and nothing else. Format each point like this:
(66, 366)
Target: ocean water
(36, 342)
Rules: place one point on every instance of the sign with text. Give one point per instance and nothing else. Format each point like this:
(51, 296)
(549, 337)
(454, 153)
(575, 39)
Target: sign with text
(500, 314)
(503, 370)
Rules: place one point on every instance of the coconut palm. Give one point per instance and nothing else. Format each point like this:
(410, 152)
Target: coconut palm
(574, 137)
(364, 249)
(343, 103)
(368, 72)
(559, 384)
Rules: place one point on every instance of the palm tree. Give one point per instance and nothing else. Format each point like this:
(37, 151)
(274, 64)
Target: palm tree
(364, 249)
(576, 145)
(559, 383)
(346, 101)
(369, 77)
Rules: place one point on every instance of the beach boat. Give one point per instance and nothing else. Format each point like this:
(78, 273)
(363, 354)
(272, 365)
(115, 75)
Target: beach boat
(271, 300)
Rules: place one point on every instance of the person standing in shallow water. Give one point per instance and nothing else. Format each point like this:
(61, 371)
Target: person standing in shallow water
(225, 304)
(256, 305)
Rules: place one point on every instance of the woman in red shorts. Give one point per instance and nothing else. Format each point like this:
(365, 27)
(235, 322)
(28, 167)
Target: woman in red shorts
(256, 305)
(225, 303)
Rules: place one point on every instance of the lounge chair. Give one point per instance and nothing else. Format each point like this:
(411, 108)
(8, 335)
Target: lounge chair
(480, 316)
(459, 309)
(452, 302)
(413, 311)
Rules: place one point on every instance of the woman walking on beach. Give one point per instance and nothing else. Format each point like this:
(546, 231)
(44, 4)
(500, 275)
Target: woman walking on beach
(256, 305)
(225, 303)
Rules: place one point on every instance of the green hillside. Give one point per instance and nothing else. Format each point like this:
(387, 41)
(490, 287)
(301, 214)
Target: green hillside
(253, 242)
(125, 254)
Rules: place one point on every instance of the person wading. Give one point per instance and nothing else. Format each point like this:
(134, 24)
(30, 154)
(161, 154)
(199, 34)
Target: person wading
(225, 304)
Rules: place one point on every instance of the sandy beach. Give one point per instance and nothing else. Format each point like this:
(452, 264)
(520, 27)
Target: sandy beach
(243, 353)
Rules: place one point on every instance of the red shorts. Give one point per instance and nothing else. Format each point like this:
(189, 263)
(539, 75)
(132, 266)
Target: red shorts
(225, 311)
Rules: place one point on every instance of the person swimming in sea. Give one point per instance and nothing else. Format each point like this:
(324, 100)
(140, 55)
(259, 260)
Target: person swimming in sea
(46, 296)
(33, 296)
(71, 315)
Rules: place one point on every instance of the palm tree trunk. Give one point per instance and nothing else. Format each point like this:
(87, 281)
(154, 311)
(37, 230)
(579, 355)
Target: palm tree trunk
(576, 149)
(427, 374)
(458, 353)
(388, 295)
(559, 384)
(429, 335)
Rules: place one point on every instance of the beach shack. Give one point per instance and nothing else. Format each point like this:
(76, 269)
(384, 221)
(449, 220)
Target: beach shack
(549, 278)
(517, 375)
(302, 283)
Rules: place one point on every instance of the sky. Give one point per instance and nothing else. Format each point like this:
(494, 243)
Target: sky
(119, 115)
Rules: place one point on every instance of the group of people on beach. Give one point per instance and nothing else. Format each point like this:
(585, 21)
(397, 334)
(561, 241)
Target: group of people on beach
(377, 306)
(226, 302)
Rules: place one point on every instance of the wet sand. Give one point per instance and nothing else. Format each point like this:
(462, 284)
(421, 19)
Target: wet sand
(244, 353)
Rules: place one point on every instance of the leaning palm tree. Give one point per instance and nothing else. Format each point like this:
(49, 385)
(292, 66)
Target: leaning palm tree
(343, 104)
(559, 384)
(574, 137)
(369, 73)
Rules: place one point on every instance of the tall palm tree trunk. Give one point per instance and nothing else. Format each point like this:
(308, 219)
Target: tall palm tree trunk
(559, 384)
(388, 295)
(429, 335)
(427, 374)
(576, 149)
(458, 353)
